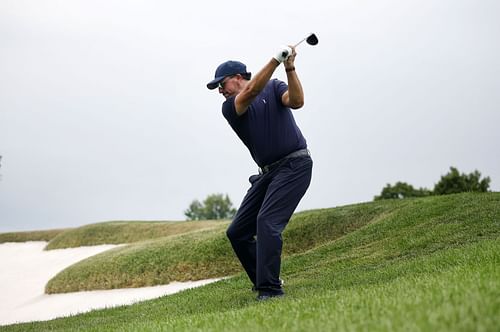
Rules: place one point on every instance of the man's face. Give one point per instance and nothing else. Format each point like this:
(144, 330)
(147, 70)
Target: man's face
(229, 86)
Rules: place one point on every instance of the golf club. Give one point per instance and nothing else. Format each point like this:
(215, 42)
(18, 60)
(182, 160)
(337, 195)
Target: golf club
(311, 39)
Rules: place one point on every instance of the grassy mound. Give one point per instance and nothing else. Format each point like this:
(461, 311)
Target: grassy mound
(30, 235)
(190, 256)
(202, 255)
(117, 232)
(422, 265)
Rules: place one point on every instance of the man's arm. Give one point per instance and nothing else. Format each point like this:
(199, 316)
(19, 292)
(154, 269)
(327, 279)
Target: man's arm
(294, 97)
(254, 87)
(245, 97)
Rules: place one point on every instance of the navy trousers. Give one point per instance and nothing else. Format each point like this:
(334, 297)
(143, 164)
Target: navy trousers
(255, 232)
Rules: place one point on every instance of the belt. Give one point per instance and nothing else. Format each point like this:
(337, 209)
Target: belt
(295, 154)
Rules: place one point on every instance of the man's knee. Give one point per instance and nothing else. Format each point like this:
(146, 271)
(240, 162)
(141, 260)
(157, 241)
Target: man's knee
(271, 226)
(231, 233)
(234, 233)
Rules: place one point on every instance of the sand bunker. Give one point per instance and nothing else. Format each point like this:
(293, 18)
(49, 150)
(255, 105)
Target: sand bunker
(26, 268)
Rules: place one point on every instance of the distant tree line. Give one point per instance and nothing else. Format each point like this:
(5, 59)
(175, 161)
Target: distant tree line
(214, 207)
(451, 183)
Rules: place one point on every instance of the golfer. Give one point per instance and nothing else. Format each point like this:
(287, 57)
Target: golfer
(258, 110)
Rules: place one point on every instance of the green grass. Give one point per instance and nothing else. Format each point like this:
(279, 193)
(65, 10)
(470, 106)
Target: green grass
(430, 264)
(191, 256)
(30, 235)
(204, 254)
(117, 232)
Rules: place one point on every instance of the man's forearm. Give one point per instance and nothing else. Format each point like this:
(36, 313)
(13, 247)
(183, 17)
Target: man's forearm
(295, 92)
(254, 87)
(259, 81)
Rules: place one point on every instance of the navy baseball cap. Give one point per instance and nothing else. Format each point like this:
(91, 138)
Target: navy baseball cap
(226, 69)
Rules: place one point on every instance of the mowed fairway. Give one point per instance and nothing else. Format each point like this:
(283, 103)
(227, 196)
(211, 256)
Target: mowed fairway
(430, 264)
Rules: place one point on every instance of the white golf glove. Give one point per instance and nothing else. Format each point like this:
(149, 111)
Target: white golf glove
(283, 54)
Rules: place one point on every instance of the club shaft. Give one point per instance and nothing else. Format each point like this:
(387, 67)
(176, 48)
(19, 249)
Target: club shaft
(300, 42)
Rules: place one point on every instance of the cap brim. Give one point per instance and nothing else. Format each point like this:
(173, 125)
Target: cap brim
(215, 82)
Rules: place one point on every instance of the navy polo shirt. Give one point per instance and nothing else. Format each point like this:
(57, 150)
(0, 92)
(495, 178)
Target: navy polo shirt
(267, 128)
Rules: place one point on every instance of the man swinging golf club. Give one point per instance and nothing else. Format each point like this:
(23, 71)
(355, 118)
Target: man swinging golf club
(258, 110)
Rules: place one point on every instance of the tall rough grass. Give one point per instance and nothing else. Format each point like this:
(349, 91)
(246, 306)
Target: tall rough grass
(118, 232)
(30, 235)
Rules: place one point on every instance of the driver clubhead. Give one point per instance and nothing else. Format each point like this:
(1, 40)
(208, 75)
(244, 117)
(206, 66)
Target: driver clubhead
(312, 39)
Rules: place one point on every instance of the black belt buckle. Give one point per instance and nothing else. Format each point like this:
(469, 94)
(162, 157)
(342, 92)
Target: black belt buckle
(299, 153)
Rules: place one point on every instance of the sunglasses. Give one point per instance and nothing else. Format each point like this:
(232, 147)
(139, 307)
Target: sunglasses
(224, 81)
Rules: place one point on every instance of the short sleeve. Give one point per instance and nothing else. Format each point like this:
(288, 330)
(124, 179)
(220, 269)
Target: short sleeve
(229, 110)
(280, 88)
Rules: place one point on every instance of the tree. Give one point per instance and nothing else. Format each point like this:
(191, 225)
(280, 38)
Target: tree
(401, 190)
(214, 207)
(454, 182)
(450, 183)
(194, 211)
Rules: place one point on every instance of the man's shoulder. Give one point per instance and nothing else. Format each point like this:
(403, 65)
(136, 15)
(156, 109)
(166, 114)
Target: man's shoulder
(228, 109)
(278, 86)
(228, 102)
(274, 82)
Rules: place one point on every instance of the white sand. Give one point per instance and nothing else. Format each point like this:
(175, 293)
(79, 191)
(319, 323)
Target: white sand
(26, 268)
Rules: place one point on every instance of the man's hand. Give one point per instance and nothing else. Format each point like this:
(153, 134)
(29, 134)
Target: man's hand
(290, 60)
(283, 54)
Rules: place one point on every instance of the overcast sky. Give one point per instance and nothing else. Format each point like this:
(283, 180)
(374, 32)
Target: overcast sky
(105, 114)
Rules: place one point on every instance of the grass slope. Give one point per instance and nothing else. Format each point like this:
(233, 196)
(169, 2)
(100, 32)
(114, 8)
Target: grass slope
(117, 232)
(30, 235)
(207, 254)
(430, 264)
